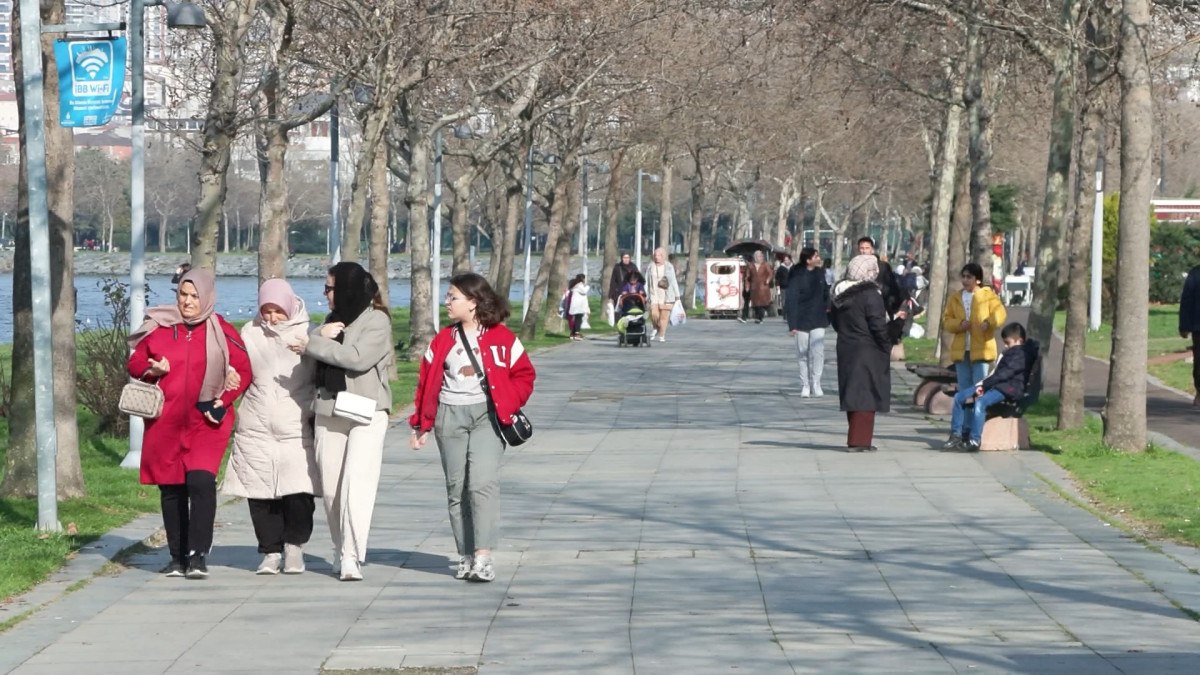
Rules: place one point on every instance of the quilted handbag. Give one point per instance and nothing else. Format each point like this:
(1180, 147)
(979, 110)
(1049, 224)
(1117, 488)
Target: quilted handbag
(141, 399)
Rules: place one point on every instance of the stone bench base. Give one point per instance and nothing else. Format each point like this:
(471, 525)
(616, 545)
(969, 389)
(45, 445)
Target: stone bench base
(1005, 433)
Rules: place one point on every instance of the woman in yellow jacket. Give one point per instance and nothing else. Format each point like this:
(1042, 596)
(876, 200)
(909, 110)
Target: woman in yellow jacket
(973, 317)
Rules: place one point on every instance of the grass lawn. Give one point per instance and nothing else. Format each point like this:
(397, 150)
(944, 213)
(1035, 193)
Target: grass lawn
(114, 498)
(1164, 333)
(1177, 374)
(1155, 493)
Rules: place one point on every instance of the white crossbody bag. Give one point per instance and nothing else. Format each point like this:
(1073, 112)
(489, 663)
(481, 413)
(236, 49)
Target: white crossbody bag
(358, 409)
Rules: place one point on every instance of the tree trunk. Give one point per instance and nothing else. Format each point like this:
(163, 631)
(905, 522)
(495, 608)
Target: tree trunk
(163, 228)
(979, 112)
(504, 251)
(956, 257)
(693, 240)
(381, 204)
(1054, 205)
(664, 219)
(220, 127)
(1071, 390)
(417, 199)
(460, 221)
(273, 205)
(787, 198)
(1125, 411)
(612, 203)
(374, 127)
(20, 473)
(560, 269)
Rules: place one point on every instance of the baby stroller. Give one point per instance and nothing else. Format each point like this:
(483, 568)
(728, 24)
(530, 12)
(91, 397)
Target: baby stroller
(631, 321)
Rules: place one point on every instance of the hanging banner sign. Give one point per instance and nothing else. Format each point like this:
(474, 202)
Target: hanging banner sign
(91, 77)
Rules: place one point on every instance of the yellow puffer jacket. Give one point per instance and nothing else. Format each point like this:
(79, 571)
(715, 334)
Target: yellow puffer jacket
(985, 306)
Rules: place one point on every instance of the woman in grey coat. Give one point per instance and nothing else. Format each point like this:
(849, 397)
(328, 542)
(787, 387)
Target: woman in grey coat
(863, 350)
(353, 350)
(663, 289)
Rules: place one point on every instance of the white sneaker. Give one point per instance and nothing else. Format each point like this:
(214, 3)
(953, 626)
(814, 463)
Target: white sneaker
(817, 391)
(270, 564)
(464, 567)
(350, 570)
(293, 559)
(482, 569)
(662, 338)
(653, 333)
(804, 393)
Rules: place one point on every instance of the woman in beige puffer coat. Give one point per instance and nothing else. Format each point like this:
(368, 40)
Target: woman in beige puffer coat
(273, 463)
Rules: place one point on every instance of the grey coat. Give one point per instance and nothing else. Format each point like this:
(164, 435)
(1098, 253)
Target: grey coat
(652, 281)
(365, 352)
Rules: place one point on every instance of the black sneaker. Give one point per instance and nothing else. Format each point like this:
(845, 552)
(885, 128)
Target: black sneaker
(175, 568)
(971, 446)
(196, 568)
(953, 443)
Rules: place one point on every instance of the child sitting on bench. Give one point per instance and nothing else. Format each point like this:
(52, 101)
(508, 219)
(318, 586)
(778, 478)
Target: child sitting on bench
(1007, 382)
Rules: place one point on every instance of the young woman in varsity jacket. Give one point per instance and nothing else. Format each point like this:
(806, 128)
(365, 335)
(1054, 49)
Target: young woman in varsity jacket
(451, 402)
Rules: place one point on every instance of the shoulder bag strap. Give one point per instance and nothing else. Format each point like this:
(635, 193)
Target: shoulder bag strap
(483, 383)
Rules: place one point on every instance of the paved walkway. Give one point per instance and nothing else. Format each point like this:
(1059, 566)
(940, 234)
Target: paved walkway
(680, 510)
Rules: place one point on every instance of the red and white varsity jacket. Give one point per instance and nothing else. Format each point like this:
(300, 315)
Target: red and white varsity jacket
(506, 366)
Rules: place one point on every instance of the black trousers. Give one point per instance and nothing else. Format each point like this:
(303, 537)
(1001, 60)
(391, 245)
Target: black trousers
(760, 312)
(745, 304)
(287, 520)
(1196, 361)
(189, 511)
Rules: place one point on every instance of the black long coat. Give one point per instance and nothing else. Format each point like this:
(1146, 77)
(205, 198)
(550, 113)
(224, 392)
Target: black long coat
(620, 275)
(863, 349)
(806, 300)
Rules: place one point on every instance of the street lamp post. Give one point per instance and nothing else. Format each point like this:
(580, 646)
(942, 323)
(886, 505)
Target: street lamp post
(551, 160)
(637, 235)
(583, 209)
(179, 15)
(435, 260)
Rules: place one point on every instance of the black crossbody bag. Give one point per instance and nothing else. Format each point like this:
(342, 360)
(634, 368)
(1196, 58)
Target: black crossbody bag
(514, 434)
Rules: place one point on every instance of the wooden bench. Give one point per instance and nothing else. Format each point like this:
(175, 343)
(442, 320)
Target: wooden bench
(933, 395)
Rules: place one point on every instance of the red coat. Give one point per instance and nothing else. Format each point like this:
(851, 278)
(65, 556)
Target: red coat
(507, 367)
(181, 439)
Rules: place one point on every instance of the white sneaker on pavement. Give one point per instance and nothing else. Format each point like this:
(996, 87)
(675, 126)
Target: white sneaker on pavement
(817, 391)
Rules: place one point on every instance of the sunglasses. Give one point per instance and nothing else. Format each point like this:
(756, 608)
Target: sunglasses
(328, 289)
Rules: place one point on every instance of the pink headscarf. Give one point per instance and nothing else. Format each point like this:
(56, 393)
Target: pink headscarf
(279, 293)
(215, 347)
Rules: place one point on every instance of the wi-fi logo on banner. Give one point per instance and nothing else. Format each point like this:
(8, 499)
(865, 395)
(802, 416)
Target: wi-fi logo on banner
(92, 61)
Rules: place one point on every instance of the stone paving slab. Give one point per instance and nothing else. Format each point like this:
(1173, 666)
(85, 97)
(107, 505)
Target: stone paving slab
(680, 509)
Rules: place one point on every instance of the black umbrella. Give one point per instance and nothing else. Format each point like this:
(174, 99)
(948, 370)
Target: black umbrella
(746, 248)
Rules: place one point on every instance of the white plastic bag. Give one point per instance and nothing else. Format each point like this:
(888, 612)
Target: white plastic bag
(678, 316)
(610, 313)
(916, 331)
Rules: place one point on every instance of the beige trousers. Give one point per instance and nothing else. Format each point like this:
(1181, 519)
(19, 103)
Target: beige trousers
(349, 457)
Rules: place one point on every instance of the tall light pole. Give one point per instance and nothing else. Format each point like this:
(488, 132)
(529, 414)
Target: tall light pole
(583, 209)
(179, 15)
(1097, 281)
(543, 159)
(637, 234)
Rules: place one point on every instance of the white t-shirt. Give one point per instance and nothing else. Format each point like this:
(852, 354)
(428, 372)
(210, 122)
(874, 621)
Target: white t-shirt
(460, 384)
(967, 297)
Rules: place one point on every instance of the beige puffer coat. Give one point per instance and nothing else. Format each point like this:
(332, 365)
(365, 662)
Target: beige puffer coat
(273, 453)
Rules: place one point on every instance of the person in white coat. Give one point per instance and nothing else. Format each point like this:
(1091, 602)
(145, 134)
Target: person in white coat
(577, 305)
(273, 464)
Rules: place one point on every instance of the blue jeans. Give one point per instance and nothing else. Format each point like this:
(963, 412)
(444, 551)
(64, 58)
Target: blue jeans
(970, 373)
(972, 417)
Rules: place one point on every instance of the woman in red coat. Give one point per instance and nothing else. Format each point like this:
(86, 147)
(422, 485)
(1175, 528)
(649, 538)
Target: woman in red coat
(201, 365)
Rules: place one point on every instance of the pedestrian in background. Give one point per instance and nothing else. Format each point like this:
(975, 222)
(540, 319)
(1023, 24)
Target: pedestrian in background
(806, 306)
(577, 305)
(353, 351)
(759, 279)
(1189, 323)
(863, 351)
(663, 289)
(199, 362)
(452, 401)
(973, 315)
(273, 463)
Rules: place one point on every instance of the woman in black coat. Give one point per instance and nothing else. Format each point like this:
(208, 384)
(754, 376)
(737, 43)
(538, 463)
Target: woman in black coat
(863, 350)
(806, 306)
